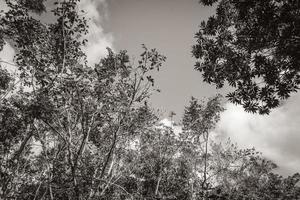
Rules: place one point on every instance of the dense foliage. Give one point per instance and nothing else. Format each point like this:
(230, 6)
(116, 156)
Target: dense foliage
(254, 47)
(73, 131)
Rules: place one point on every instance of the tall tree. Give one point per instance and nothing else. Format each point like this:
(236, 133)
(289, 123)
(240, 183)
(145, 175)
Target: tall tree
(198, 121)
(65, 121)
(73, 131)
(254, 47)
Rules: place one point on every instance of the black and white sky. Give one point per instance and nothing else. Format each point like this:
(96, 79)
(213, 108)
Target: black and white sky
(169, 26)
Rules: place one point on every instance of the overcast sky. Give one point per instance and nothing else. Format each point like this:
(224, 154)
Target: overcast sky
(169, 26)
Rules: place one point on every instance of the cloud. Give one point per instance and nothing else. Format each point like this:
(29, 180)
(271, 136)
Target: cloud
(3, 6)
(98, 40)
(277, 136)
(171, 124)
(7, 56)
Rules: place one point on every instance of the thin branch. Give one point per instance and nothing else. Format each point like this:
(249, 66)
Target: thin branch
(110, 151)
(54, 129)
(119, 186)
(23, 144)
(37, 191)
(3, 61)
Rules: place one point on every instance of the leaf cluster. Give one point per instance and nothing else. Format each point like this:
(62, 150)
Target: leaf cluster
(254, 47)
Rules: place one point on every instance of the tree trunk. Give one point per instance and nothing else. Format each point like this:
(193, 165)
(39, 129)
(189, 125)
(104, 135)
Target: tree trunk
(204, 184)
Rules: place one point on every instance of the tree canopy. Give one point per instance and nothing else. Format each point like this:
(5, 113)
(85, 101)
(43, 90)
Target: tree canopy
(254, 47)
(73, 131)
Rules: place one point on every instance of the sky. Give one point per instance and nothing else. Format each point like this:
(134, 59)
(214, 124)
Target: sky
(169, 26)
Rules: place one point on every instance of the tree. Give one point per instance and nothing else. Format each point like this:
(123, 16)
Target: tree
(73, 131)
(222, 170)
(198, 121)
(254, 47)
(64, 124)
(191, 165)
(246, 174)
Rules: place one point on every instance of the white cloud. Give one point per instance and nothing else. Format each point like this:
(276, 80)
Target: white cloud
(3, 6)
(171, 124)
(98, 40)
(7, 56)
(277, 136)
(166, 122)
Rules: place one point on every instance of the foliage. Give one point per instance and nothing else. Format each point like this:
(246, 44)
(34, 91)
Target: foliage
(73, 131)
(64, 123)
(166, 164)
(254, 46)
